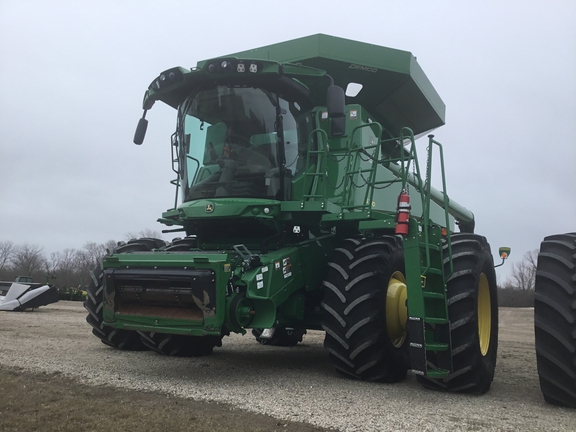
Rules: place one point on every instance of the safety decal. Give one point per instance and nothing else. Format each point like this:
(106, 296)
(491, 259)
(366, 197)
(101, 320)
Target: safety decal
(286, 268)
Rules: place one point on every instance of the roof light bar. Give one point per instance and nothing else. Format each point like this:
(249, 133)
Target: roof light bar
(233, 66)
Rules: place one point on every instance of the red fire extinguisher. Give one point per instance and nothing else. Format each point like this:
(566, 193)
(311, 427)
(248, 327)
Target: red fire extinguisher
(403, 213)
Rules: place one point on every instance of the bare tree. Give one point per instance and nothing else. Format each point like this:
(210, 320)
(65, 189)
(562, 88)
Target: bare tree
(6, 252)
(524, 272)
(89, 257)
(28, 260)
(65, 267)
(109, 246)
(145, 233)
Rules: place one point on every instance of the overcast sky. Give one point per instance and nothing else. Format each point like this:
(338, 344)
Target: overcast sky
(72, 77)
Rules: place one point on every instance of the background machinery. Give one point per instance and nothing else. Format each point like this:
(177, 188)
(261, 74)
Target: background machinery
(23, 294)
(555, 319)
(302, 205)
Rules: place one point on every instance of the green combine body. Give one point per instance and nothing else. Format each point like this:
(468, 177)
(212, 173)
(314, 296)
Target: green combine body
(292, 200)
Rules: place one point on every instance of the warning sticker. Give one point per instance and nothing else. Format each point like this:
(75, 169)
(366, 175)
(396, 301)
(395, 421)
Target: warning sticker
(286, 267)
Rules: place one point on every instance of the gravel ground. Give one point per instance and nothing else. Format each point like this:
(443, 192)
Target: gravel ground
(295, 384)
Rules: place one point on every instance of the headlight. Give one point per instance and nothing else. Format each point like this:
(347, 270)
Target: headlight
(232, 66)
(167, 78)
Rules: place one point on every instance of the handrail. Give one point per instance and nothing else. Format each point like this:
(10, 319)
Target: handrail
(352, 162)
(446, 201)
(322, 141)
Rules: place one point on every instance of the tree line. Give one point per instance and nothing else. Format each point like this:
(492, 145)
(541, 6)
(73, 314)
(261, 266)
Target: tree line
(71, 268)
(518, 290)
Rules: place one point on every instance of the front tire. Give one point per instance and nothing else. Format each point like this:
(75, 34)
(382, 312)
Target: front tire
(473, 313)
(94, 303)
(555, 319)
(365, 310)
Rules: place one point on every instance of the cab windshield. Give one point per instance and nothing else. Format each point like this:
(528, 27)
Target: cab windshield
(230, 146)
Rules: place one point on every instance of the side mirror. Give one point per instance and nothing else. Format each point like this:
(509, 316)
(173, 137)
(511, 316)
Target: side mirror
(335, 102)
(140, 131)
(504, 253)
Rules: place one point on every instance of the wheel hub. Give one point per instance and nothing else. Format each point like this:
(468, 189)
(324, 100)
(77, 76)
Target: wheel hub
(484, 315)
(396, 309)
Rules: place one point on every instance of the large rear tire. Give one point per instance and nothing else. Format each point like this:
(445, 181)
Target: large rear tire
(94, 303)
(555, 319)
(473, 313)
(365, 310)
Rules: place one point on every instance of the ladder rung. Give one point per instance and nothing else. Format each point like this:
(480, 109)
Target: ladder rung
(437, 347)
(432, 247)
(434, 271)
(437, 373)
(433, 295)
(430, 320)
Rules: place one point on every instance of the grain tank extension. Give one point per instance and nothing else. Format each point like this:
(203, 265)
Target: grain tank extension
(302, 204)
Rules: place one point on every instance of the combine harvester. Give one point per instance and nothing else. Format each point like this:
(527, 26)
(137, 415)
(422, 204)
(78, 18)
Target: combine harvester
(304, 206)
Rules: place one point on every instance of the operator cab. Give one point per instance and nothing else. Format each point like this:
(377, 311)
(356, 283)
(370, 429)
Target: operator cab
(242, 141)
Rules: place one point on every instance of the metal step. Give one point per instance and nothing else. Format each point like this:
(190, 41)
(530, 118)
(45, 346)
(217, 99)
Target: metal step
(430, 333)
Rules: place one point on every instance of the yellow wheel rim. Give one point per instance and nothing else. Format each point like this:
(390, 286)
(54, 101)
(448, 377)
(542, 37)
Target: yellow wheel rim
(396, 310)
(484, 314)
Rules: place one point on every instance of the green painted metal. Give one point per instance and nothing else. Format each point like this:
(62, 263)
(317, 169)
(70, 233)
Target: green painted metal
(271, 288)
(148, 318)
(262, 251)
(395, 89)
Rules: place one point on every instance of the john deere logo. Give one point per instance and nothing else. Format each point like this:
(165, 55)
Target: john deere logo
(209, 208)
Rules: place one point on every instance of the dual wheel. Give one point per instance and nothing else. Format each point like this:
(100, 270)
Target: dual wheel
(365, 313)
(473, 314)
